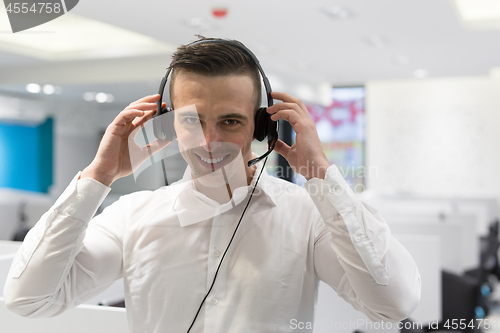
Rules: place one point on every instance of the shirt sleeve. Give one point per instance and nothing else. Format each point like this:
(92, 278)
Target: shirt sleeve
(62, 264)
(379, 278)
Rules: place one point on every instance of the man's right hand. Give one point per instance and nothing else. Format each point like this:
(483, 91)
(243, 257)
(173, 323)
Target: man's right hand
(112, 160)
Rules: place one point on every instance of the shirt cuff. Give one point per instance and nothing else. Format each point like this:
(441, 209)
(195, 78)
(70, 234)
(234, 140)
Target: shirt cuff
(82, 198)
(334, 188)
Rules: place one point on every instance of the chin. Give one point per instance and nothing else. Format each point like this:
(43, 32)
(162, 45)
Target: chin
(234, 170)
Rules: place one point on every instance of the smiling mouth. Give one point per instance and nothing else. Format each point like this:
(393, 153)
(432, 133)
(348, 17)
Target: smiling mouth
(209, 162)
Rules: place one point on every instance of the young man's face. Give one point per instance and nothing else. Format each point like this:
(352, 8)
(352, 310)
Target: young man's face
(218, 128)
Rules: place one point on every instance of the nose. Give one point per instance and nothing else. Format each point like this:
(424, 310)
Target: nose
(212, 137)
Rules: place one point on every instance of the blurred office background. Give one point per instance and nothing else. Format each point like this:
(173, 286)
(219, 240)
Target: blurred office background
(405, 96)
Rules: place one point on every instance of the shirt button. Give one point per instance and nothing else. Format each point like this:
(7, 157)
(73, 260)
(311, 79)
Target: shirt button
(335, 189)
(357, 238)
(216, 253)
(321, 197)
(79, 197)
(215, 300)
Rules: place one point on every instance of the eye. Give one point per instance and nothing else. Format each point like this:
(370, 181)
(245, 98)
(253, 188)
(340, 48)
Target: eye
(231, 122)
(192, 120)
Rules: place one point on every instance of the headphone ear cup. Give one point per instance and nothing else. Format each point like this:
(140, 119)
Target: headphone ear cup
(272, 130)
(262, 119)
(163, 125)
(264, 126)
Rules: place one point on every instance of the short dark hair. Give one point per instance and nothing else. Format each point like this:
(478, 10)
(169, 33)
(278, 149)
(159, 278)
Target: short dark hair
(215, 59)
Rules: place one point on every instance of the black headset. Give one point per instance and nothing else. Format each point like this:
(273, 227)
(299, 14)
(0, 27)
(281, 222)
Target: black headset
(163, 120)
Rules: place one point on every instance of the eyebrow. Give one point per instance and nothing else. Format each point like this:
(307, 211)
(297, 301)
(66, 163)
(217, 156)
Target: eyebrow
(234, 116)
(188, 114)
(223, 117)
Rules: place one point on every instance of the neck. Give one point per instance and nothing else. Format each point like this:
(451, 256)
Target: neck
(224, 193)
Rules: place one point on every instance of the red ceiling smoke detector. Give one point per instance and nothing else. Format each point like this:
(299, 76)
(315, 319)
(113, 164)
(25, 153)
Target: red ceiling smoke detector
(219, 12)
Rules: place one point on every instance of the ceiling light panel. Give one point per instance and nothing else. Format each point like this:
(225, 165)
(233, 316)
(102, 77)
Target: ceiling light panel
(337, 12)
(479, 14)
(479, 10)
(71, 37)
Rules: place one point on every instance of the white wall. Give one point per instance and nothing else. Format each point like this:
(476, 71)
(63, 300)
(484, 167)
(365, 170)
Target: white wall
(435, 137)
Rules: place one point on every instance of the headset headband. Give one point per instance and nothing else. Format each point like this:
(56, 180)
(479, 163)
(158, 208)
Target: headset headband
(240, 46)
(273, 137)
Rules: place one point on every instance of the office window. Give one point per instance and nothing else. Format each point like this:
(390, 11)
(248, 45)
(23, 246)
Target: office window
(341, 129)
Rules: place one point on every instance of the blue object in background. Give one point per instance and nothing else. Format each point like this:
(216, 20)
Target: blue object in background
(26, 154)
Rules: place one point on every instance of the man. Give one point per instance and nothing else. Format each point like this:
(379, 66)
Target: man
(288, 239)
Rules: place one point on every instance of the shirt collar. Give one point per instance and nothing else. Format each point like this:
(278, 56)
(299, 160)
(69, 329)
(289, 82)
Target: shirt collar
(192, 206)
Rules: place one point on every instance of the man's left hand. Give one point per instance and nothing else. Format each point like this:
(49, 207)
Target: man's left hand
(306, 155)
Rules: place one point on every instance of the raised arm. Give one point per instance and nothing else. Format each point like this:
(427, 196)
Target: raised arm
(356, 254)
(354, 250)
(62, 262)
(66, 259)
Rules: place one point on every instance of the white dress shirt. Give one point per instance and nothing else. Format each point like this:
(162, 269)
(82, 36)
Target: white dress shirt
(288, 240)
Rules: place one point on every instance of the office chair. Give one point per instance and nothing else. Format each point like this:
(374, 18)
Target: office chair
(488, 267)
(22, 227)
(460, 296)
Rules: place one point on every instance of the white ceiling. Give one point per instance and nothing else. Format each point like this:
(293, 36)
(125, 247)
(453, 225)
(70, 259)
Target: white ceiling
(296, 42)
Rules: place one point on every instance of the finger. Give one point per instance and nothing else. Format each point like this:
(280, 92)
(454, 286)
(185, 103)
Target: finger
(148, 115)
(148, 99)
(134, 133)
(126, 116)
(287, 98)
(157, 145)
(142, 106)
(147, 151)
(289, 115)
(140, 121)
(287, 105)
(282, 148)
